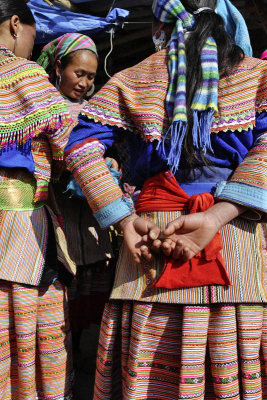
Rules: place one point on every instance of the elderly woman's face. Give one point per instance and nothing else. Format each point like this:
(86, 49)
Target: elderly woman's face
(79, 75)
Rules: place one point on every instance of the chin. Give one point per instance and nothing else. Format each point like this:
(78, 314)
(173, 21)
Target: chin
(78, 97)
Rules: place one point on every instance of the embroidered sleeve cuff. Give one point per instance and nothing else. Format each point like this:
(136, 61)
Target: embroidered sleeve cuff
(114, 212)
(251, 196)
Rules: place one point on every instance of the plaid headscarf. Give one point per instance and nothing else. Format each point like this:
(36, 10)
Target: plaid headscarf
(206, 97)
(62, 46)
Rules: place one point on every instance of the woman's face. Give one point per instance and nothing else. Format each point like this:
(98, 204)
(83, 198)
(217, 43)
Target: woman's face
(79, 74)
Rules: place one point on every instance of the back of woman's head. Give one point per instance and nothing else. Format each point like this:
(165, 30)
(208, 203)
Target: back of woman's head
(209, 53)
(8, 8)
(207, 24)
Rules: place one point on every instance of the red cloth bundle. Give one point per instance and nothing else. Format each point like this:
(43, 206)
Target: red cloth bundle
(163, 193)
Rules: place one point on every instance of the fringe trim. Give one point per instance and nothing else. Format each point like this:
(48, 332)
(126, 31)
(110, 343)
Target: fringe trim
(10, 135)
(177, 133)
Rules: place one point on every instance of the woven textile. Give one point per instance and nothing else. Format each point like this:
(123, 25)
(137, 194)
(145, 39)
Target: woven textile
(156, 351)
(18, 195)
(34, 336)
(93, 177)
(245, 259)
(253, 169)
(134, 99)
(29, 107)
(23, 239)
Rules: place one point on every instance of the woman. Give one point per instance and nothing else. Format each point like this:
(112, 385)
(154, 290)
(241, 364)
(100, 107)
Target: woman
(71, 61)
(189, 323)
(35, 359)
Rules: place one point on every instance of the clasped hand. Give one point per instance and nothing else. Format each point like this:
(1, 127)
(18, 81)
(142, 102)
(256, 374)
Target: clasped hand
(182, 238)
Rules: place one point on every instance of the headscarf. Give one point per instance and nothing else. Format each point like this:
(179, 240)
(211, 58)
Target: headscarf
(62, 46)
(235, 25)
(205, 101)
(264, 55)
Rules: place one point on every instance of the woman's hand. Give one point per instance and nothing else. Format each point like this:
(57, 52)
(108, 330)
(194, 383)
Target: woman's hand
(139, 235)
(188, 235)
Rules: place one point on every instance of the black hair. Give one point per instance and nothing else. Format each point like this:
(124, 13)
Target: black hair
(8, 8)
(208, 23)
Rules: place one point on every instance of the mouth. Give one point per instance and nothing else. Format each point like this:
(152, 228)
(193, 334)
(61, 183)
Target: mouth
(79, 92)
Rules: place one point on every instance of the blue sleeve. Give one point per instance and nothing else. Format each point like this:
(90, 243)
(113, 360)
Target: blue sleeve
(87, 129)
(248, 185)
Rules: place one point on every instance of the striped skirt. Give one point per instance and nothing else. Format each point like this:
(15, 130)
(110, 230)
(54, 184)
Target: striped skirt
(169, 352)
(35, 343)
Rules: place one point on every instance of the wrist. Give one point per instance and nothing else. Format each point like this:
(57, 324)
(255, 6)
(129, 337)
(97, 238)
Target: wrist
(223, 212)
(125, 221)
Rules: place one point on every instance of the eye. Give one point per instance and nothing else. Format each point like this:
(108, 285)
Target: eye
(79, 74)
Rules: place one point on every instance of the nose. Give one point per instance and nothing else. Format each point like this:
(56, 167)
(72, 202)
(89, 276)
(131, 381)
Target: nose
(83, 82)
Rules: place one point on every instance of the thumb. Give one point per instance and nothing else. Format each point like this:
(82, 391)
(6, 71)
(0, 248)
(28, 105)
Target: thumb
(173, 226)
(153, 231)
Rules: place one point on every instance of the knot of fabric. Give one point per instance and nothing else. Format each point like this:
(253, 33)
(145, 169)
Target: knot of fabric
(163, 193)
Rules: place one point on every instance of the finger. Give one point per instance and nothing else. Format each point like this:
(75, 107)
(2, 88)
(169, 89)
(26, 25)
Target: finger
(173, 226)
(145, 238)
(153, 230)
(167, 247)
(136, 257)
(145, 253)
(187, 254)
(156, 246)
(178, 251)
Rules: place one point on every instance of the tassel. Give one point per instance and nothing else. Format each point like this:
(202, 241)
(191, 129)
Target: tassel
(202, 121)
(177, 132)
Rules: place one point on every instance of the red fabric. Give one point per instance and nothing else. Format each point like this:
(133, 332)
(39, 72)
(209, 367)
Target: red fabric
(163, 193)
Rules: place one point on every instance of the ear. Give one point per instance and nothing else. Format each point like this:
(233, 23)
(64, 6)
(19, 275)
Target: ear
(161, 27)
(14, 25)
(58, 68)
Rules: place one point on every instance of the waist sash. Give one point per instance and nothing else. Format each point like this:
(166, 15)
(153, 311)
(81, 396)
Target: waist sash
(163, 193)
(17, 195)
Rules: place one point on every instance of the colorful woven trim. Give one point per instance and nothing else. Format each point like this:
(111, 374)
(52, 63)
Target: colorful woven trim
(29, 105)
(134, 99)
(241, 96)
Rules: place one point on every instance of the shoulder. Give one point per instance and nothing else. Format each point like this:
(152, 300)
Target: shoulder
(250, 64)
(14, 69)
(153, 68)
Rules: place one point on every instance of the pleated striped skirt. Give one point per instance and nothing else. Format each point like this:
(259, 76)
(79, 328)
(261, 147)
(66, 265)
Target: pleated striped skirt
(169, 352)
(35, 343)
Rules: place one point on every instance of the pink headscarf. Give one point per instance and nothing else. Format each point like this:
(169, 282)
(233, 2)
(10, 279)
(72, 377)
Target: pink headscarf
(264, 55)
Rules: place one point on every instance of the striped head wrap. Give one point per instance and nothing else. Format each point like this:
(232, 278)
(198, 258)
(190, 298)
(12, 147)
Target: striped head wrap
(205, 101)
(62, 46)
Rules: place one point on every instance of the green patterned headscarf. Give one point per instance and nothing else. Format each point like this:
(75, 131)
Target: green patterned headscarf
(62, 46)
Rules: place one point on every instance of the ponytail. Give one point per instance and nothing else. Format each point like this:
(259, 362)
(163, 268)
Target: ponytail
(208, 23)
